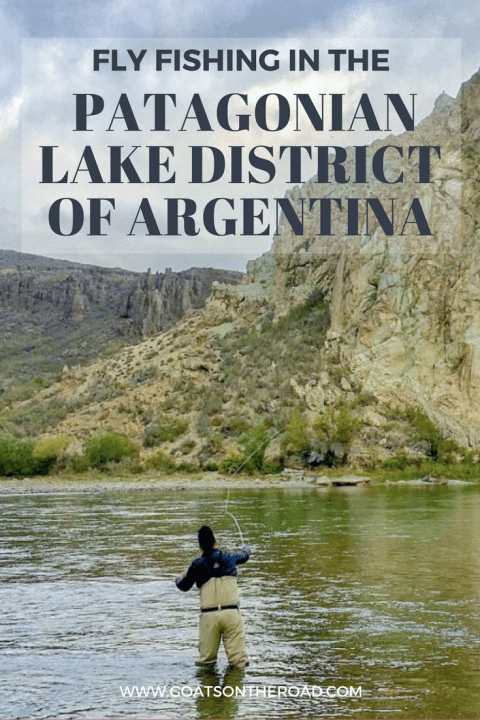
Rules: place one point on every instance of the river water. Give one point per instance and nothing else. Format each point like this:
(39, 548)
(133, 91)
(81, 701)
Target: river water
(377, 588)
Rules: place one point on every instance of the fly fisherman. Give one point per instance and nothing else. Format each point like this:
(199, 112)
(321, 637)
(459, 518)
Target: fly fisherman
(215, 574)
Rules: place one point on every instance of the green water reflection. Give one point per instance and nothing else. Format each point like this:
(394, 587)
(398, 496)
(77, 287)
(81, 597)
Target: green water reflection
(372, 587)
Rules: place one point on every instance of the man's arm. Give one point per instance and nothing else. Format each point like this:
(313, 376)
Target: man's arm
(242, 555)
(186, 579)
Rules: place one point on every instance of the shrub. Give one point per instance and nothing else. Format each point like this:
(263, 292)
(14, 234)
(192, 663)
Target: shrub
(212, 400)
(213, 443)
(336, 429)
(231, 464)
(254, 443)
(77, 463)
(110, 447)
(346, 426)
(438, 448)
(424, 430)
(51, 447)
(37, 416)
(186, 467)
(160, 461)
(17, 458)
(398, 462)
(125, 467)
(187, 446)
(336, 426)
(273, 466)
(149, 372)
(296, 440)
(236, 424)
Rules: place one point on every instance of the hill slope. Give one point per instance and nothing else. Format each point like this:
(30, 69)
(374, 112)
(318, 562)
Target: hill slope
(365, 347)
(54, 313)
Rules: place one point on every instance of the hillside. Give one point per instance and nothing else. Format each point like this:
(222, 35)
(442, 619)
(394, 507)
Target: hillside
(54, 313)
(362, 350)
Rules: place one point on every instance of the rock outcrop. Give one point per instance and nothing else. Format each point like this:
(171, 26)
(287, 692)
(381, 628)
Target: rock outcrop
(404, 308)
(390, 321)
(159, 300)
(72, 309)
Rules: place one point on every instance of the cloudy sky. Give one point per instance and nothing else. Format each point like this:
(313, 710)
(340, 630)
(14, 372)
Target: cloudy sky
(429, 53)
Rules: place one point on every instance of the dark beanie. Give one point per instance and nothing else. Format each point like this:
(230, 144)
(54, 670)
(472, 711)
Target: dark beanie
(206, 538)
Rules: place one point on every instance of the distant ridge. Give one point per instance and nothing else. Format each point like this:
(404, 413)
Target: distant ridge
(26, 261)
(67, 312)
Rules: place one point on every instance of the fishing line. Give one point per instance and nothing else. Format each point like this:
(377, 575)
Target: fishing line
(228, 491)
(236, 522)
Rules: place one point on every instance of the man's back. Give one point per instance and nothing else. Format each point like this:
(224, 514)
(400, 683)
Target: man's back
(217, 563)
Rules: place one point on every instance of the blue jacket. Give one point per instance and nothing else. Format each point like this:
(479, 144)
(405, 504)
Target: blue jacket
(216, 564)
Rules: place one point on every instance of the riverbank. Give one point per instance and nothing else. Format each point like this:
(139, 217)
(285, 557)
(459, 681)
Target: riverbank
(210, 481)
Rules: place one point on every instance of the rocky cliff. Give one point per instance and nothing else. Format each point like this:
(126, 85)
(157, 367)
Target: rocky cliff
(404, 308)
(157, 301)
(346, 345)
(72, 311)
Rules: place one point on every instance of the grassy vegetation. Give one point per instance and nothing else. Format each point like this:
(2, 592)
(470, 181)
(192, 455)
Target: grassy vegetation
(258, 364)
(164, 429)
(453, 470)
(253, 396)
(110, 448)
(43, 354)
(36, 416)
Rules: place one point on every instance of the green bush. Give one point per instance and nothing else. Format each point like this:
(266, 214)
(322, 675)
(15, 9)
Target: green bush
(273, 466)
(17, 458)
(231, 464)
(438, 448)
(252, 460)
(336, 429)
(337, 426)
(110, 447)
(424, 430)
(160, 461)
(77, 463)
(254, 442)
(296, 440)
(186, 467)
(51, 447)
(126, 467)
(398, 462)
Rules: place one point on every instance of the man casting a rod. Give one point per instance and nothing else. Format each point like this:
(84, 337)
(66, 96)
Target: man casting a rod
(215, 574)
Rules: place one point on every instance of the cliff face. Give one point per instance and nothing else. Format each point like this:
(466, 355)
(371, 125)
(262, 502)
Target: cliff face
(73, 310)
(404, 308)
(62, 293)
(336, 332)
(157, 301)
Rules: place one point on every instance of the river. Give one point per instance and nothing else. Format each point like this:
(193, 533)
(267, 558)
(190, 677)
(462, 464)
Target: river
(375, 588)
